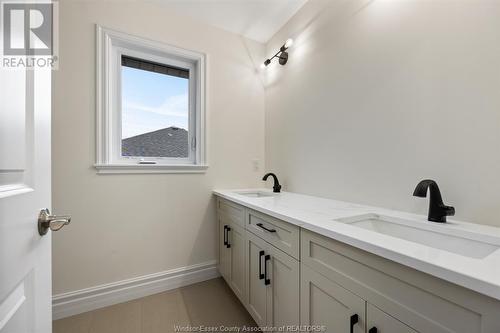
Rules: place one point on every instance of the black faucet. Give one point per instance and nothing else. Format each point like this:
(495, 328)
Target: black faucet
(437, 209)
(276, 186)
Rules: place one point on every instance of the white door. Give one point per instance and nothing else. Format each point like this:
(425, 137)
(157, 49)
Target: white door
(25, 256)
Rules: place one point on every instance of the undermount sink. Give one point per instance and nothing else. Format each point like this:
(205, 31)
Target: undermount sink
(452, 240)
(256, 194)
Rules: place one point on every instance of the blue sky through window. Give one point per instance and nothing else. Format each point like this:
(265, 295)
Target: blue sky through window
(152, 101)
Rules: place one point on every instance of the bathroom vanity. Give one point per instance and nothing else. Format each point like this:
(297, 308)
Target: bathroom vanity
(299, 260)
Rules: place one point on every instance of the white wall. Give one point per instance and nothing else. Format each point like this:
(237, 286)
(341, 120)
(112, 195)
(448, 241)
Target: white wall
(380, 94)
(126, 226)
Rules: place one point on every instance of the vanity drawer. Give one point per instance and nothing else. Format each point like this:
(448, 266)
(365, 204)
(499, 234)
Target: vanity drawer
(283, 235)
(234, 212)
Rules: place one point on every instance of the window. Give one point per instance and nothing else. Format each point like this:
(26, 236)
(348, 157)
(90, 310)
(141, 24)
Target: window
(150, 106)
(155, 110)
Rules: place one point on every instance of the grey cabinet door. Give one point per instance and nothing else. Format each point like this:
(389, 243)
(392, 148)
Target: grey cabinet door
(325, 303)
(283, 298)
(237, 276)
(224, 252)
(256, 289)
(380, 322)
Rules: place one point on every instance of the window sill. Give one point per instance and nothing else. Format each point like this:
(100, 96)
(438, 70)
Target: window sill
(154, 168)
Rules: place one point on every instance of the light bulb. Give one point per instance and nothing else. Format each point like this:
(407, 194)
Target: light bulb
(262, 66)
(289, 42)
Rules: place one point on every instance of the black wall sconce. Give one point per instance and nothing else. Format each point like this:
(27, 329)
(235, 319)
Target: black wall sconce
(282, 55)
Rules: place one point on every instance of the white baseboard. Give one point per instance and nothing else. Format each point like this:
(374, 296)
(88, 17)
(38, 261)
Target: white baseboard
(76, 302)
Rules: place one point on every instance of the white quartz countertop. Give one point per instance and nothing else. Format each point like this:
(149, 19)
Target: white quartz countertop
(319, 215)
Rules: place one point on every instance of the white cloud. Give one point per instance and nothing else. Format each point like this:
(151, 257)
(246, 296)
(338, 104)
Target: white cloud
(138, 118)
(175, 106)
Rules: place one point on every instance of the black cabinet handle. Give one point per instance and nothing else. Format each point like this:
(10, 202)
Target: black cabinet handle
(354, 321)
(373, 330)
(227, 242)
(225, 235)
(261, 276)
(267, 281)
(260, 225)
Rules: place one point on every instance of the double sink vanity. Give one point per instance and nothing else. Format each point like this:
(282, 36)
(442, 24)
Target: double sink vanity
(332, 266)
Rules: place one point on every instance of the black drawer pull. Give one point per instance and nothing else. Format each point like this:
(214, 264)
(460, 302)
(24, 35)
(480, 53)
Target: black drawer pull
(261, 276)
(373, 330)
(225, 235)
(267, 281)
(354, 321)
(260, 225)
(227, 242)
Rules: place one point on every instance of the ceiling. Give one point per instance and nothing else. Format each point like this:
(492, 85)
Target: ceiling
(255, 19)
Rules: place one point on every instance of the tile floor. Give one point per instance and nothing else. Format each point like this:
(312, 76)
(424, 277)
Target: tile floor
(209, 303)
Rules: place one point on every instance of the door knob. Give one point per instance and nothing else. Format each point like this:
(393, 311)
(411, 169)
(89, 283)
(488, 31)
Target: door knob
(52, 222)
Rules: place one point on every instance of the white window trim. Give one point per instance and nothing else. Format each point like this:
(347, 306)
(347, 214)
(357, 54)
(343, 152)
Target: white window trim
(110, 46)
